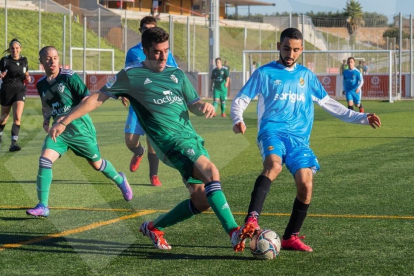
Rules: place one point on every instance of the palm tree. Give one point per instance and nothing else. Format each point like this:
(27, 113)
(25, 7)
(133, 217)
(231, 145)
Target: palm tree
(353, 12)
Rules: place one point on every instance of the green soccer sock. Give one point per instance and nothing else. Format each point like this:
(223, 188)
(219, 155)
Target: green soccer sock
(109, 171)
(223, 107)
(215, 104)
(44, 179)
(221, 208)
(181, 212)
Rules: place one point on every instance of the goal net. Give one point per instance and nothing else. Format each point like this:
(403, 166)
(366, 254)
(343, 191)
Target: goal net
(380, 70)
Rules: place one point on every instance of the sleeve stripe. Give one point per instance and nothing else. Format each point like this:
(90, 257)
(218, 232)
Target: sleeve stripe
(194, 101)
(109, 94)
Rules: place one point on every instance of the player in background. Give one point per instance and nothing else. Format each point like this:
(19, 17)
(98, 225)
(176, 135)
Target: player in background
(219, 83)
(133, 129)
(162, 107)
(14, 69)
(60, 91)
(364, 68)
(359, 67)
(287, 93)
(352, 84)
(343, 67)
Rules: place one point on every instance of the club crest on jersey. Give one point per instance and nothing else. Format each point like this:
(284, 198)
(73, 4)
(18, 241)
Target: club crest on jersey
(190, 152)
(269, 148)
(110, 82)
(301, 82)
(61, 88)
(18, 63)
(174, 78)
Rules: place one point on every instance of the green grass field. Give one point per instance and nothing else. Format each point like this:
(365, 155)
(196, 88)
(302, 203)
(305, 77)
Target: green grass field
(360, 222)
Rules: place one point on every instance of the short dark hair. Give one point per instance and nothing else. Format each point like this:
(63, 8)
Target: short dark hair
(350, 59)
(148, 20)
(154, 35)
(45, 49)
(291, 33)
(217, 59)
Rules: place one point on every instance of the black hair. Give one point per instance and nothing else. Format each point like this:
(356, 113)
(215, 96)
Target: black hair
(154, 35)
(148, 20)
(291, 33)
(14, 40)
(350, 59)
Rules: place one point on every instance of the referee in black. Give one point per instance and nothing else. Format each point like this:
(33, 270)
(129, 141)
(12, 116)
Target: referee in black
(13, 71)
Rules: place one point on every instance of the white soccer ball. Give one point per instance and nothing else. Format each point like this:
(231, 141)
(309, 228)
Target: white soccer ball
(265, 244)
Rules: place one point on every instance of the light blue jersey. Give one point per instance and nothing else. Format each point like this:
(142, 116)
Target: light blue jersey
(352, 80)
(286, 97)
(285, 112)
(135, 56)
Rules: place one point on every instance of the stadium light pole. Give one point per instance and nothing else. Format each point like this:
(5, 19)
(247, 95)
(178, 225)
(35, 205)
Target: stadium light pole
(411, 57)
(99, 38)
(303, 42)
(5, 24)
(188, 45)
(64, 42)
(70, 26)
(40, 25)
(400, 58)
(84, 49)
(214, 33)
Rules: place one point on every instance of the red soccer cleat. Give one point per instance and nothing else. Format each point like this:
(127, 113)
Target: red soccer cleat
(295, 243)
(361, 110)
(239, 235)
(155, 235)
(135, 161)
(155, 181)
(223, 115)
(253, 221)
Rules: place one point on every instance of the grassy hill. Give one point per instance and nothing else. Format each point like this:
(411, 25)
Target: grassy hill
(26, 30)
(23, 25)
(232, 42)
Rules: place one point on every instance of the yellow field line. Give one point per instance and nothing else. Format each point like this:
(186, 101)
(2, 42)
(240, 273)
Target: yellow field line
(209, 212)
(76, 230)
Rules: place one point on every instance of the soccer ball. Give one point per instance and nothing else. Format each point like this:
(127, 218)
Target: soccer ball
(265, 244)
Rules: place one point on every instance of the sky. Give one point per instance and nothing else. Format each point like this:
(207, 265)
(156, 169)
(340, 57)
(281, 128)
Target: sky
(389, 8)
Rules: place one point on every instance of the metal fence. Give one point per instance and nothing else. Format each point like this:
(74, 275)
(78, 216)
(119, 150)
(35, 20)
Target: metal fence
(104, 28)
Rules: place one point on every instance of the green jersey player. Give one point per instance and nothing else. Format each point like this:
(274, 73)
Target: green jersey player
(161, 97)
(220, 81)
(60, 91)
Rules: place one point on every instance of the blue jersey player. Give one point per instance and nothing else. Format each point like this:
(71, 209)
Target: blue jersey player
(133, 129)
(352, 84)
(286, 95)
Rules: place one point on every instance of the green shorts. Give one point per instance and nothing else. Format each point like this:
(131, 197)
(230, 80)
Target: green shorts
(183, 156)
(218, 94)
(83, 145)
